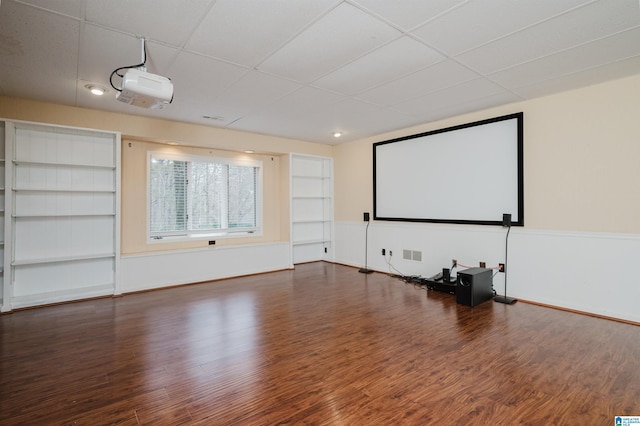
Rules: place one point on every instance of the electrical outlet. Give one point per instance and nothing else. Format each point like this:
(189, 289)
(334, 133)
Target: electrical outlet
(501, 267)
(454, 263)
(483, 265)
(212, 242)
(384, 252)
(390, 253)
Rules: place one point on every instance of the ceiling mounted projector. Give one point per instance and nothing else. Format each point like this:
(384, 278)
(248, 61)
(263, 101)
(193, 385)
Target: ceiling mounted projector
(146, 90)
(141, 88)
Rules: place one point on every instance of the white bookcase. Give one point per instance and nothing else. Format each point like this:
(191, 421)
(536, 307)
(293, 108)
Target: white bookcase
(4, 290)
(311, 208)
(64, 206)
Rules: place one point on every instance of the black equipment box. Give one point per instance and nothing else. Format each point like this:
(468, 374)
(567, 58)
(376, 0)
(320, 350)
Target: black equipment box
(439, 285)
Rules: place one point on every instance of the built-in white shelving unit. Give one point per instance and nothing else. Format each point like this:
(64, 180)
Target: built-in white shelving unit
(4, 290)
(64, 213)
(311, 208)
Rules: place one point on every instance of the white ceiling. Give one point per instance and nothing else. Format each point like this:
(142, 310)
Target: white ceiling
(305, 69)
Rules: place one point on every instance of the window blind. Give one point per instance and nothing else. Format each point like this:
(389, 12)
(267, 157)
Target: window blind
(201, 196)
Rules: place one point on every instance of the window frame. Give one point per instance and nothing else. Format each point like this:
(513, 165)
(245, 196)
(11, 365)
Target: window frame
(190, 235)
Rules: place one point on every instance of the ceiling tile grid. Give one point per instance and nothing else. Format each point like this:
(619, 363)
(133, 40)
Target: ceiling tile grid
(584, 25)
(165, 21)
(609, 71)
(480, 22)
(394, 60)
(246, 32)
(304, 69)
(606, 50)
(343, 34)
(436, 77)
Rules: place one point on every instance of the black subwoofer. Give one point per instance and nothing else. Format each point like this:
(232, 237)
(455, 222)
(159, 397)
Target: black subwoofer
(474, 286)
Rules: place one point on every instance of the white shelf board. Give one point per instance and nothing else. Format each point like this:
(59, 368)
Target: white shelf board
(308, 242)
(53, 215)
(310, 197)
(311, 177)
(44, 163)
(27, 262)
(62, 190)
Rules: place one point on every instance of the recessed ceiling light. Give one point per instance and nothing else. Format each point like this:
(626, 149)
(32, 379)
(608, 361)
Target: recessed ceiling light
(337, 134)
(96, 89)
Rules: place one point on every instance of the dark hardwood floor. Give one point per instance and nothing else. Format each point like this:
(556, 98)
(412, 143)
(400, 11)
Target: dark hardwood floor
(322, 344)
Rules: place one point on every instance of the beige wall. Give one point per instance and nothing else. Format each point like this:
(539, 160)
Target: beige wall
(134, 197)
(582, 160)
(146, 134)
(581, 156)
(154, 129)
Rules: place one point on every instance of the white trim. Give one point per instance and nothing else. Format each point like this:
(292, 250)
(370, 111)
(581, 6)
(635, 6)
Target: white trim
(117, 230)
(7, 275)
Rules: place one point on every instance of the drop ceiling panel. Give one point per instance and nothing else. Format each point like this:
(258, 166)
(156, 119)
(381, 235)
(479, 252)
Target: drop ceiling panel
(200, 78)
(265, 26)
(353, 116)
(389, 62)
(305, 101)
(256, 90)
(103, 50)
(444, 111)
(167, 21)
(275, 124)
(456, 95)
(67, 7)
(618, 47)
(586, 24)
(614, 70)
(478, 22)
(205, 112)
(36, 61)
(407, 14)
(340, 36)
(444, 74)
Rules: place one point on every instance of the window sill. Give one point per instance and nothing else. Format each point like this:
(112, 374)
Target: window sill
(200, 237)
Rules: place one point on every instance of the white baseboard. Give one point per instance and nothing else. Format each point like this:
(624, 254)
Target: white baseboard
(60, 296)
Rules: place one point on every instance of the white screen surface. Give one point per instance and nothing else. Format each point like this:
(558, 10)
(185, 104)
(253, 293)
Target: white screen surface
(464, 174)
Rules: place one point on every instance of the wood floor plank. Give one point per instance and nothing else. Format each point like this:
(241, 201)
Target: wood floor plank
(322, 344)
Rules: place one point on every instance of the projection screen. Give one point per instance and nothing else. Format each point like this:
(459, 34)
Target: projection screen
(468, 174)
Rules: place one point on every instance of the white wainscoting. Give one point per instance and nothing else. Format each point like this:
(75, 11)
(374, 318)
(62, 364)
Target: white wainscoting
(156, 270)
(588, 272)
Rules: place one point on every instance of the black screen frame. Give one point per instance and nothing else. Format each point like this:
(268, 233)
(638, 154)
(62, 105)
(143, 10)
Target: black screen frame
(519, 117)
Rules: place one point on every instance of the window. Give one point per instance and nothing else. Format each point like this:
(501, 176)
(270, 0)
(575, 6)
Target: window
(192, 196)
